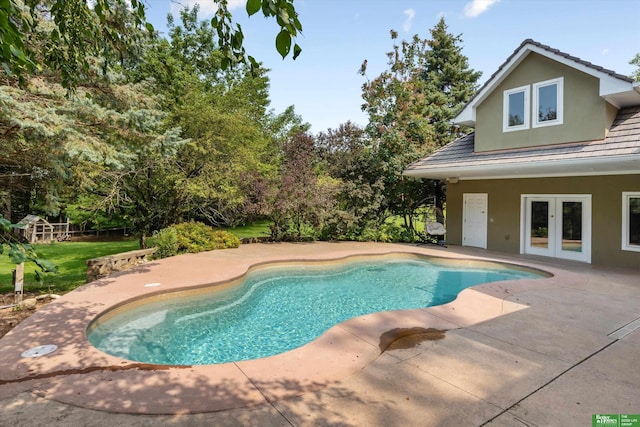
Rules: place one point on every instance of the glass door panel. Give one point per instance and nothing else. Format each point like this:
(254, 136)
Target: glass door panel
(571, 226)
(539, 226)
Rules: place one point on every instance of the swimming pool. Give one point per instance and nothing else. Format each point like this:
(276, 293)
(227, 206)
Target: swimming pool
(279, 308)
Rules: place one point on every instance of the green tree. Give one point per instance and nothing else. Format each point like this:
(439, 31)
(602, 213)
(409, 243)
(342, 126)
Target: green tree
(103, 149)
(449, 82)
(636, 61)
(225, 145)
(347, 156)
(304, 198)
(223, 113)
(410, 107)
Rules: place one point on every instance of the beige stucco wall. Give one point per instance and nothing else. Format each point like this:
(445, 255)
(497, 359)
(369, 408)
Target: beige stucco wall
(586, 114)
(503, 233)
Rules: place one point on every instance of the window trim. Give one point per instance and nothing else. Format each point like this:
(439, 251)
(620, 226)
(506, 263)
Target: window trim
(505, 108)
(559, 82)
(626, 196)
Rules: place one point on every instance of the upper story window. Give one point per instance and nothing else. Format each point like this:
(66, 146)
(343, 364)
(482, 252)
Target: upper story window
(631, 221)
(543, 109)
(547, 102)
(516, 109)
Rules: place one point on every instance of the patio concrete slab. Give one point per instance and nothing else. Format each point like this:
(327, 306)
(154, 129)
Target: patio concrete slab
(29, 410)
(493, 370)
(333, 356)
(174, 390)
(534, 352)
(537, 331)
(388, 393)
(598, 311)
(574, 397)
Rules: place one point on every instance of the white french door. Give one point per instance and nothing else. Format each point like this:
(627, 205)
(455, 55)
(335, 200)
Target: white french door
(557, 226)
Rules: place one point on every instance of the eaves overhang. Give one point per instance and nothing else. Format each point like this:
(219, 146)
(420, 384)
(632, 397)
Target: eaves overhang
(608, 165)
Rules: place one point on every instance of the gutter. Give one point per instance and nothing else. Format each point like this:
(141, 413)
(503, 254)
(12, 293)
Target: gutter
(558, 169)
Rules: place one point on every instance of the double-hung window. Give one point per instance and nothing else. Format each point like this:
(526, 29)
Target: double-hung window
(516, 109)
(547, 102)
(631, 221)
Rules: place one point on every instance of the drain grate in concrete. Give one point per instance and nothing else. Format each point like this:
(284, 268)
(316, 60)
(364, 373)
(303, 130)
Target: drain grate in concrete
(40, 351)
(626, 329)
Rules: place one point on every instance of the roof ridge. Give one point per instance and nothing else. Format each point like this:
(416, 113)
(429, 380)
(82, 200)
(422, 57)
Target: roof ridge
(575, 59)
(552, 50)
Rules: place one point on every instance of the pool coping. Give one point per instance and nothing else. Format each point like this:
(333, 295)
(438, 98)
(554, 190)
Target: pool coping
(78, 374)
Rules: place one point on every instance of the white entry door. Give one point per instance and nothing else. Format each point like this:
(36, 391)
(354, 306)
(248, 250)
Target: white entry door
(474, 220)
(558, 226)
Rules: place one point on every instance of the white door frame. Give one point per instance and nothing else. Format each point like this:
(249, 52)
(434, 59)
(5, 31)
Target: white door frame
(482, 242)
(551, 227)
(555, 226)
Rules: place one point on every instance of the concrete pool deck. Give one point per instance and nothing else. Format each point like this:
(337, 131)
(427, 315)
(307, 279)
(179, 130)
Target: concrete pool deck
(549, 351)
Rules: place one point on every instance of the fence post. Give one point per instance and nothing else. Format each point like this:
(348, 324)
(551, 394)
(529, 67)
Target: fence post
(18, 280)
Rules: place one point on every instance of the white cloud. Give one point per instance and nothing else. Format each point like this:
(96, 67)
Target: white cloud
(605, 51)
(406, 26)
(477, 7)
(207, 7)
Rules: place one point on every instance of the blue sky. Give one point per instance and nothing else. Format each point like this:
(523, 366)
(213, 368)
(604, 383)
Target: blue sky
(323, 83)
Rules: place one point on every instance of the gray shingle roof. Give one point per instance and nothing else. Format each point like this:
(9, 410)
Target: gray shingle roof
(623, 139)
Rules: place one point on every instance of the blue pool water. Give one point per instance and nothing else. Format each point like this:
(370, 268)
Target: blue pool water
(279, 309)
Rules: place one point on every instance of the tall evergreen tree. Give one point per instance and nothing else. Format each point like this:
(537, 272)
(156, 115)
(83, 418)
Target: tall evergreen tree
(449, 82)
(410, 107)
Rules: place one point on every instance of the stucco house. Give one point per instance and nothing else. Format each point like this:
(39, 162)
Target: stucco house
(553, 165)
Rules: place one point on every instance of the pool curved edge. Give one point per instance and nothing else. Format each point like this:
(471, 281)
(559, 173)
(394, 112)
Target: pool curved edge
(210, 288)
(81, 375)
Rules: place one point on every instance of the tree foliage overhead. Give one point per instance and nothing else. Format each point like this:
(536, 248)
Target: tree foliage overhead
(62, 34)
(230, 36)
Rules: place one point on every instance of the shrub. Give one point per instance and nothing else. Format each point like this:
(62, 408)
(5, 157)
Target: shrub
(386, 232)
(191, 237)
(166, 240)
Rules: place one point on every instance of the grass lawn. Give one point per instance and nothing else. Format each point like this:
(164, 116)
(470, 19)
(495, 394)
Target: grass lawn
(70, 258)
(255, 229)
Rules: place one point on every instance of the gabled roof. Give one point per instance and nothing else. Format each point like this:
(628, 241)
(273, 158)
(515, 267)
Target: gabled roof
(621, 91)
(618, 153)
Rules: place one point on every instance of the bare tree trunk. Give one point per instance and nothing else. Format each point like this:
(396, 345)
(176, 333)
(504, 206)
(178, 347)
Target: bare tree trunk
(7, 205)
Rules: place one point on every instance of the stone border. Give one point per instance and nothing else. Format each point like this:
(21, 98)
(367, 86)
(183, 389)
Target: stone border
(98, 268)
